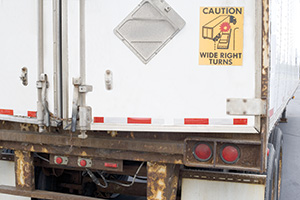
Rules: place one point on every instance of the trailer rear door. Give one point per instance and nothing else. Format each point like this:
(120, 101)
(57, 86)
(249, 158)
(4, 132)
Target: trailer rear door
(143, 60)
(23, 52)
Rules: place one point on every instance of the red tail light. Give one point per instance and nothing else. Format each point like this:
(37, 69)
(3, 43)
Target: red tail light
(83, 163)
(230, 154)
(59, 160)
(202, 152)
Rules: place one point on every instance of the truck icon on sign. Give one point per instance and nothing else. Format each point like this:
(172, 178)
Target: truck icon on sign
(219, 30)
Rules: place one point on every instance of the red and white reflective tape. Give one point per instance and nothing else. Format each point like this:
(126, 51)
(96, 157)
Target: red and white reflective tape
(6, 112)
(31, 113)
(11, 112)
(211, 121)
(128, 120)
(184, 121)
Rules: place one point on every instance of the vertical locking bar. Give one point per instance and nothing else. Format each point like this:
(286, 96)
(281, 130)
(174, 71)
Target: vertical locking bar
(40, 110)
(83, 129)
(57, 69)
(65, 61)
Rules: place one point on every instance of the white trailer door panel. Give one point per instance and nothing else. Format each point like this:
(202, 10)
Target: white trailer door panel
(143, 61)
(19, 39)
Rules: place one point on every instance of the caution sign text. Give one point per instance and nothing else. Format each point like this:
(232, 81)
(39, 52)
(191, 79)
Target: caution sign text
(221, 36)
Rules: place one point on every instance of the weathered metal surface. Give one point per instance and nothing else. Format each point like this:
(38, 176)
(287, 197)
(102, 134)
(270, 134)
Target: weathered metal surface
(222, 176)
(125, 146)
(93, 142)
(92, 152)
(24, 170)
(96, 163)
(249, 152)
(42, 194)
(265, 49)
(162, 181)
(265, 93)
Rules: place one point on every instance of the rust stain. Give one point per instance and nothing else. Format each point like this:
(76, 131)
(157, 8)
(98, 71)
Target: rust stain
(162, 181)
(112, 133)
(24, 170)
(132, 135)
(20, 168)
(83, 153)
(32, 149)
(24, 127)
(266, 49)
(178, 162)
(157, 173)
(265, 71)
(44, 150)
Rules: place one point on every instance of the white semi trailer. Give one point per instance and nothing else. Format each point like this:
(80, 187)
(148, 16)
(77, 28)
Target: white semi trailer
(99, 93)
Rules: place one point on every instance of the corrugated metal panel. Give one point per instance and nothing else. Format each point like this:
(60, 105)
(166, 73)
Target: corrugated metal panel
(284, 70)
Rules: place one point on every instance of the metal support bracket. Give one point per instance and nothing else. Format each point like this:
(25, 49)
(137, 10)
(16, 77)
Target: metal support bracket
(162, 181)
(24, 170)
(43, 114)
(252, 107)
(83, 112)
(85, 88)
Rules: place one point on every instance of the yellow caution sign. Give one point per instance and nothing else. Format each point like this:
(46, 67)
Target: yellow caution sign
(221, 36)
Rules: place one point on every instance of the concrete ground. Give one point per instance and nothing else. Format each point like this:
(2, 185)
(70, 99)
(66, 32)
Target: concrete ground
(290, 188)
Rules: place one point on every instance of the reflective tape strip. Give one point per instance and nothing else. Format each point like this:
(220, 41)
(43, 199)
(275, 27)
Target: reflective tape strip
(216, 121)
(131, 120)
(196, 121)
(115, 120)
(210, 121)
(240, 121)
(182, 121)
(98, 119)
(31, 113)
(128, 120)
(6, 112)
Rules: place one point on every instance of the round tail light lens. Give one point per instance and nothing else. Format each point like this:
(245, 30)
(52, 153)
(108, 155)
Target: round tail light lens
(59, 160)
(230, 154)
(83, 163)
(202, 152)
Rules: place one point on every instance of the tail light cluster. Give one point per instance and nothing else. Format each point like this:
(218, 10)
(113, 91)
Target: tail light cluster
(229, 153)
(222, 154)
